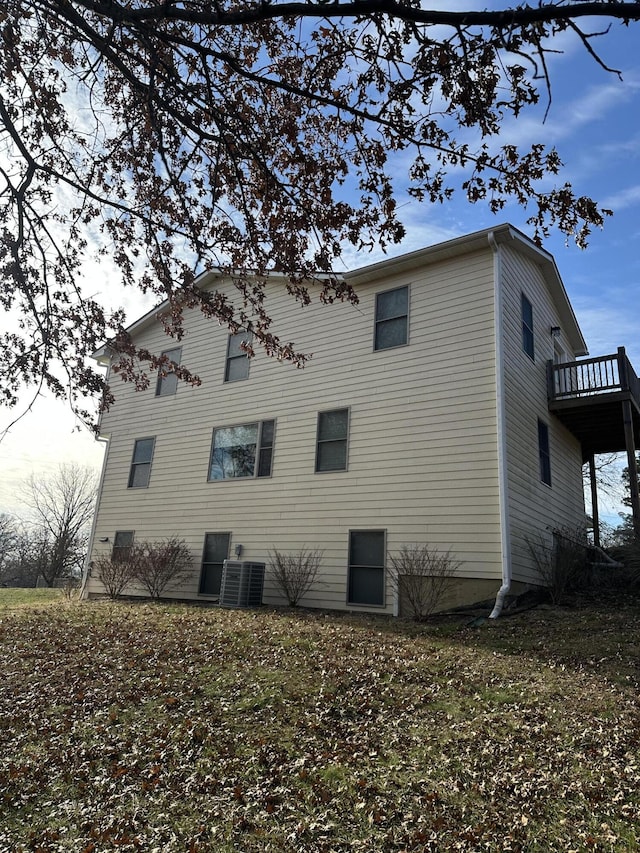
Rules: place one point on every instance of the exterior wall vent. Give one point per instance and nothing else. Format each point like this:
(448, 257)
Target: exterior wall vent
(242, 584)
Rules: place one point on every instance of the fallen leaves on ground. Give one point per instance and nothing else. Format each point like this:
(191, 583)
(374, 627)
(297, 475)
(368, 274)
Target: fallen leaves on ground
(174, 728)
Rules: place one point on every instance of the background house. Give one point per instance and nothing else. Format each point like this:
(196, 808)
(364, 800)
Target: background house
(423, 417)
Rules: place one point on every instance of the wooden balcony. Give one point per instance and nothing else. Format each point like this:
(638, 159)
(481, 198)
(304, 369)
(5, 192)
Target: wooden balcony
(598, 399)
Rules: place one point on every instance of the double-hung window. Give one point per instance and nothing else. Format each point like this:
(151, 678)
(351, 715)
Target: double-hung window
(167, 383)
(140, 470)
(237, 363)
(245, 450)
(216, 551)
(392, 318)
(367, 550)
(122, 542)
(331, 444)
(527, 327)
(543, 452)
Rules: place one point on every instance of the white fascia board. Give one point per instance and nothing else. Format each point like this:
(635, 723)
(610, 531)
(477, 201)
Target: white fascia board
(456, 247)
(477, 241)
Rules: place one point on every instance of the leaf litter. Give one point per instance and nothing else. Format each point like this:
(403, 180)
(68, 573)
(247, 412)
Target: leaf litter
(174, 728)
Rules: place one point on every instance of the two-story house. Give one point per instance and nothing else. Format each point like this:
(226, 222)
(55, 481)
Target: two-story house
(437, 410)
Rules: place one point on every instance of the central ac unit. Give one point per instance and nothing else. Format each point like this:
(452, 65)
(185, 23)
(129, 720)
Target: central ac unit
(242, 584)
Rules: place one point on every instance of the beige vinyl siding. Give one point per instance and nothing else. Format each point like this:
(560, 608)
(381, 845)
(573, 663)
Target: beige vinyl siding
(534, 508)
(422, 452)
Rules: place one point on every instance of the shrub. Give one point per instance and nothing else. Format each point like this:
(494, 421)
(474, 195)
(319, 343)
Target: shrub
(295, 573)
(629, 555)
(70, 587)
(563, 565)
(422, 576)
(114, 575)
(156, 564)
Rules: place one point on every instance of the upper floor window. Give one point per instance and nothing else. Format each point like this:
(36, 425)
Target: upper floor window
(242, 451)
(167, 383)
(392, 318)
(237, 363)
(527, 326)
(122, 542)
(141, 463)
(543, 451)
(331, 444)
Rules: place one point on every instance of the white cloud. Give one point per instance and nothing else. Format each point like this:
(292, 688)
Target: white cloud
(38, 443)
(607, 325)
(623, 199)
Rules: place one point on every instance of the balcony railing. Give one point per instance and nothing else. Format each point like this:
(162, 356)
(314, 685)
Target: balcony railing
(591, 376)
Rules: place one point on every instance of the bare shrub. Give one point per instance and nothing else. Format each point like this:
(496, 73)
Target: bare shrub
(422, 576)
(114, 575)
(156, 564)
(70, 587)
(629, 555)
(561, 565)
(295, 573)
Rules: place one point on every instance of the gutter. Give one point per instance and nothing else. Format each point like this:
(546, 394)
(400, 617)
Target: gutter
(503, 483)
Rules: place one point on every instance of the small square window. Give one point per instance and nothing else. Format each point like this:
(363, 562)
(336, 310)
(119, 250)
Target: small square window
(167, 383)
(331, 444)
(543, 450)
(140, 471)
(242, 451)
(392, 318)
(216, 551)
(237, 364)
(527, 327)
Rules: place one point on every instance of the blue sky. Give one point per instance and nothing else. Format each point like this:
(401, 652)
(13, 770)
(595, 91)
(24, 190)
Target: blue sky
(593, 120)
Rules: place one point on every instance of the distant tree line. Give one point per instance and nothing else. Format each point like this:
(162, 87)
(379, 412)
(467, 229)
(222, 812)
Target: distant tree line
(50, 541)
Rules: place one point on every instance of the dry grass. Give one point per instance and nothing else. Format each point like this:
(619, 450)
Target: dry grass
(156, 727)
(11, 597)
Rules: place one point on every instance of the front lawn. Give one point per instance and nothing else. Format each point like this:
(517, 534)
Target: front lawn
(173, 728)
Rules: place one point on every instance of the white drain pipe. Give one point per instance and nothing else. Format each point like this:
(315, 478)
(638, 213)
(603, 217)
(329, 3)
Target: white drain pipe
(505, 539)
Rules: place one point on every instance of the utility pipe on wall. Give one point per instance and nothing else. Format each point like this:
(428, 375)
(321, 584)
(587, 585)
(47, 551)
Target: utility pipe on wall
(505, 542)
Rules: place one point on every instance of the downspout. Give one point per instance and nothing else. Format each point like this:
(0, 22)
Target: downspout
(86, 571)
(501, 417)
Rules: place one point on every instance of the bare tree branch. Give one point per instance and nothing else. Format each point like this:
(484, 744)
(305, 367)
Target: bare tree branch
(509, 18)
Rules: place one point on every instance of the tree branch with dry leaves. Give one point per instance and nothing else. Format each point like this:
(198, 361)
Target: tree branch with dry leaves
(248, 137)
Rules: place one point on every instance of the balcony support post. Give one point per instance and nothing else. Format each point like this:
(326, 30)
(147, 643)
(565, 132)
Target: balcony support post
(595, 515)
(627, 414)
(623, 373)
